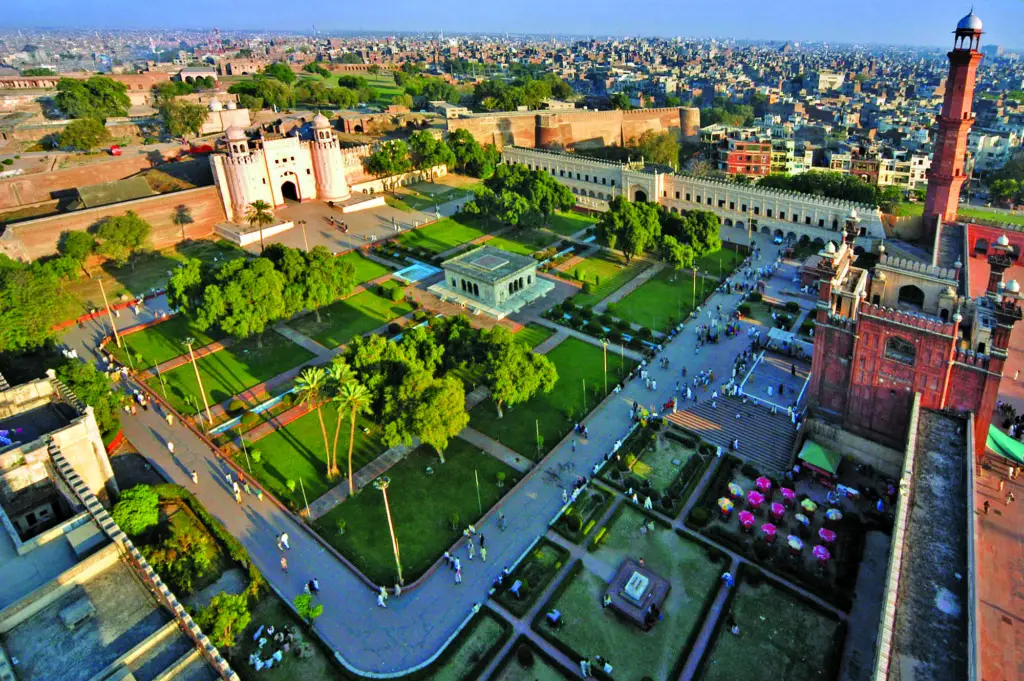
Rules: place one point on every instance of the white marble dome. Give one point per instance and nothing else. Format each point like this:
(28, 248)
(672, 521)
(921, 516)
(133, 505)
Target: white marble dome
(830, 248)
(231, 106)
(235, 133)
(971, 22)
(1003, 240)
(1013, 286)
(215, 105)
(320, 121)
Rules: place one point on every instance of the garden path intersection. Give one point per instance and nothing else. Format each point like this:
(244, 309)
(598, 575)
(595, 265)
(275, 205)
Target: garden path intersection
(417, 625)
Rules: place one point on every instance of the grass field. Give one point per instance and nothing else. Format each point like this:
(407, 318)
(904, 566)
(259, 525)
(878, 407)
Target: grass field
(151, 272)
(446, 233)
(478, 641)
(230, 371)
(297, 452)
(534, 334)
(365, 269)
(660, 303)
(607, 272)
(719, 264)
(161, 342)
(426, 195)
(540, 670)
(589, 629)
(553, 413)
(524, 241)
(422, 505)
(964, 212)
(343, 320)
(568, 224)
(788, 639)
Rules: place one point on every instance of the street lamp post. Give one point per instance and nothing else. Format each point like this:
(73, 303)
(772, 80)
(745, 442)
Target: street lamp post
(110, 313)
(382, 484)
(604, 348)
(302, 223)
(189, 342)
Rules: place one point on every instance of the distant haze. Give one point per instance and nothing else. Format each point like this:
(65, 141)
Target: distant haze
(907, 22)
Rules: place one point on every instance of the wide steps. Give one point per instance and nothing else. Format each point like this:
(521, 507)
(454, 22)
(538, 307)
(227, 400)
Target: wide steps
(766, 440)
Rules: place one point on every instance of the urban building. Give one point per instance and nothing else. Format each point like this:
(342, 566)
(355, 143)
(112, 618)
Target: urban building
(745, 152)
(491, 281)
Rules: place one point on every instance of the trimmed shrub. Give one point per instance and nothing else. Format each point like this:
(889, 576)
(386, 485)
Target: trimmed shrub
(136, 511)
(700, 516)
(393, 328)
(749, 471)
(574, 522)
(586, 312)
(594, 329)
(792, 307)
(236, 406)
(606, 319)
(256, 455)
(755, 297)
(524, 655)
(595, 543)
(645, 333)
(249, 418)
(614, 336)
(453, 521)
(587, 288)
(744, 309)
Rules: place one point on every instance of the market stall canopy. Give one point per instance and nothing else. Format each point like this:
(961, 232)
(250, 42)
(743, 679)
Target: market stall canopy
(819, 457)
(1004, 445)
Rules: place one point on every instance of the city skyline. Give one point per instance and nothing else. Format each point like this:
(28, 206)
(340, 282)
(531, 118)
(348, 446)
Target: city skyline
(789, 20)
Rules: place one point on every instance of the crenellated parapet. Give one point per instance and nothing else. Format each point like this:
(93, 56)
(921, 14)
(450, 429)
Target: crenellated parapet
(971, 359)
(912, 319)
(918, 267)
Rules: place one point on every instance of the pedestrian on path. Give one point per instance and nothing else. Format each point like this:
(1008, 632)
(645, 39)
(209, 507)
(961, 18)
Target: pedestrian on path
(985, 506)
(170, 418)
(284, 541)
(1010, 498)
(230, 479)
(472, 549)
(728, 580)
(501, 522)
(483, 553)
(235, 488)
(195, 478)
(574, 445)
(458, 575)
(565, 496)
(398, 589)
(382, 598)
(238, 497)
(284, 565)
(170, 447)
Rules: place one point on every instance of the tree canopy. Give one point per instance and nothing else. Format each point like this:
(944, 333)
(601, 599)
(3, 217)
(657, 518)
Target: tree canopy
(84, 134)
(826, 183)
(94, 389)
(632, 227)
(727, 113)
(428, 152)
(390, 158)
(97, 97)
(182, 117)
(500, 95)
(514, 192)
(224, 618)
(470, 157)
(281, 71)
(261, 91)
(698, 229)
(513, 371)
(123, 236)
(137, 510)
(657, 147)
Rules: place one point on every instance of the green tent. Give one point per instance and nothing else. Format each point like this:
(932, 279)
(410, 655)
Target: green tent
(816, 456)
(1004, 445)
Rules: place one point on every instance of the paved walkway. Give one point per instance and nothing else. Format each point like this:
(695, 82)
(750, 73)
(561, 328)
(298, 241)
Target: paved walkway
(495, 449)
(586, 337)
(302, 340)
(630, 286)
(414, 626)
(181, 360)
(362, 478)
(482, 239)
(552, 342)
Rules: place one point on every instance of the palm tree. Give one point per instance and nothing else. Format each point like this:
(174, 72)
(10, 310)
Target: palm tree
(339, 374)
(182, 216)
(356, 399)
(310, 386)
(259, 215)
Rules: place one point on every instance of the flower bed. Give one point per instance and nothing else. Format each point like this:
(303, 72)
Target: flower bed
(580, 519)
(535, 572)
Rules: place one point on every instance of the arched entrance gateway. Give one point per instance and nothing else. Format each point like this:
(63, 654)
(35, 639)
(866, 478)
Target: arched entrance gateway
(288, 191)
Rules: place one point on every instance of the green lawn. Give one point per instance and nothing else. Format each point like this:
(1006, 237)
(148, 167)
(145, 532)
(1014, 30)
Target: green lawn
(568, 224)
(976, 213)
(906, 209)
(659, 467)
(384, 84)
(553, 413)
(477, 642)
(365, 269)
(343, 320)
(230, 371)
(296, 452)
(534, 334)
(426, 196)
(446, 233)
(719, 264)
(607, 272)
(589, 629)
(150, 272)
(788, 639)
(421, 508)
(162, 341)
(536, 571)
(660, 303)
(524, 242)
(540, 670)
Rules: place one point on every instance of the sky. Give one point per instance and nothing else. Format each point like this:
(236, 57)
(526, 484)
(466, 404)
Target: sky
(906, 22)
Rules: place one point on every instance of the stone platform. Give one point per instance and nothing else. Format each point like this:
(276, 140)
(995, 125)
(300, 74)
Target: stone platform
(634, 589)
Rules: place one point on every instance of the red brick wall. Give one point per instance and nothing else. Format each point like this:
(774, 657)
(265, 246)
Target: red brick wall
(26, 189)
(37, 238)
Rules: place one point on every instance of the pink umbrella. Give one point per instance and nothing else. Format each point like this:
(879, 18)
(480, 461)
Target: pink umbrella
(778, 510)
(746, 518)
(755, 499)
(768, 530)
(763, 483)
(827, 535)
(821, 553)
(788, 496)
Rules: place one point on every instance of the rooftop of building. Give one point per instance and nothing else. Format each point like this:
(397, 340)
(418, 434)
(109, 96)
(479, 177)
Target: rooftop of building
(117, 191)
(488, 264)
(931, 629)
(36, 422)
(125, 615)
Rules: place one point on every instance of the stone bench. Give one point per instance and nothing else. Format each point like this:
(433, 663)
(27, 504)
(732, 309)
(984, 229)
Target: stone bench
(77, 612)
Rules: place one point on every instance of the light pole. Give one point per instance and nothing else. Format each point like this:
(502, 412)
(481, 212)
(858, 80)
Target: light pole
(693, 296)
(302, 223)
(189, 342)
(382, 484)
(110, 314)
(604, 348)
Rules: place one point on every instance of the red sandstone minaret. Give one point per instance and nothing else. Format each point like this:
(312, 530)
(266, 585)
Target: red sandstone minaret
(946, 175)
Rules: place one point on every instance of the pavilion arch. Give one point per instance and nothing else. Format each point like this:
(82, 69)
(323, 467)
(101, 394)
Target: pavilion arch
(778, 233)
(357, 128)
(981, 247)
(727, 222)
(591, 194)
(804, 239)
(638, 194)
(818, 241)
(674, 209)
(766, 230)
(741, 225)
(900, 350)
(791, 236)
(911, 295)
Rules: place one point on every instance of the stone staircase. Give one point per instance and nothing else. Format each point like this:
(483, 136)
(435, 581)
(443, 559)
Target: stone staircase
(766, 440)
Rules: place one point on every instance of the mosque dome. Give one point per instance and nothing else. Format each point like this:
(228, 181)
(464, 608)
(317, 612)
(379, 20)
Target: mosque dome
(971, 22)
(235, 133)
(1003, 240)
(854, 215)
(231, 106)
(830, 248)
(1013, 286)
(320, 121)
(215, 104)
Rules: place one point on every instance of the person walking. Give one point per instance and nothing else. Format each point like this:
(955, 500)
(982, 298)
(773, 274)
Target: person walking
(565, 496)
(458, 575)
(284, 565)
(382, 598)
(472, 549)
(170, 419)
(1010, 498)
(483, 553)
(314, 586)
(238, 497)
(501, 522)
(280, 546)
(284, 541)
(170, 447)
(235, 488)
(986, 505)
(195, 478)
(574, 445)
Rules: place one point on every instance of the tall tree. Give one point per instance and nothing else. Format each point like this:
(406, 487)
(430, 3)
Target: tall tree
(98, 97)
(631, 226)
(326, 278)
(389, 159)
(259, 214)
(182, 117)
(659, 147)
(355, 399)
(428, 152)
(122, 237)
(84, 134)
(224, 618)
(339, 373)
(440, 413)
(514, 373)
(251, 296)
(182, 217)
(77, 245)
(679, 256)
(310, 386)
